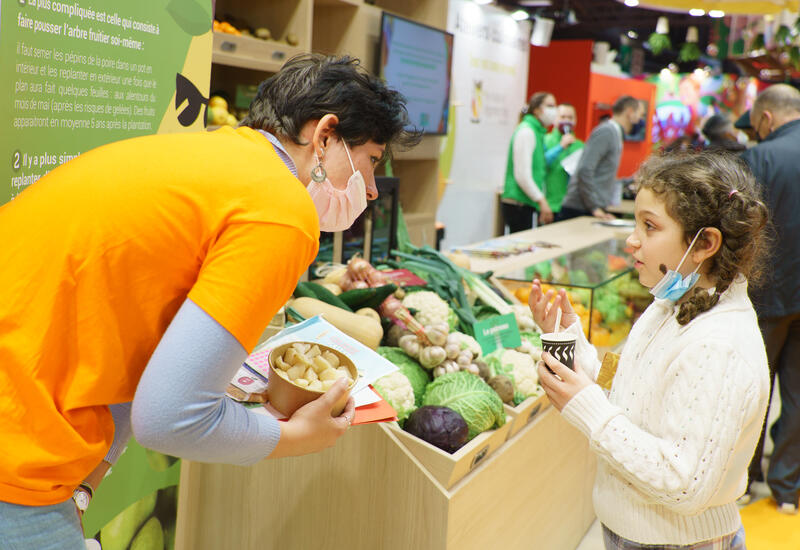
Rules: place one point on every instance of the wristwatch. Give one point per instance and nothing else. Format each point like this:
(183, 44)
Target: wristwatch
(82, 495)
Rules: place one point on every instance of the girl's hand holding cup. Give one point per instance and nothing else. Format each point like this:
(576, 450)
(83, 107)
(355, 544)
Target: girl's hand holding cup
(544, 311)
(560, 382)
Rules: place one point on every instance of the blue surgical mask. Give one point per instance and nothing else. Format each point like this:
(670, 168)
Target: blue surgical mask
(673, 285)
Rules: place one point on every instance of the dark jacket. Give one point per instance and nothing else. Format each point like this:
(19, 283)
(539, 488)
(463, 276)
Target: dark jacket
(775, 162)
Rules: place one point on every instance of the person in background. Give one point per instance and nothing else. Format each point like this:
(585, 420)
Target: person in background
(560, 143)
(743, 123)
(128, 303)
(676, 431)
(523, 191)
(721, 134)
(775, 162)
(593, 186)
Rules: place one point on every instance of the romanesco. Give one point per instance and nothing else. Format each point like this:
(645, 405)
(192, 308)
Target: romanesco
(397, 391)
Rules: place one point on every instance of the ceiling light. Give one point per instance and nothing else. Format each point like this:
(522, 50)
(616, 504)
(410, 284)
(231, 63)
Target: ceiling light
(633, 35)
(631, 3)
(716, 13)
(697, 12)
(534, 3)
(519, 15)
(484, 1)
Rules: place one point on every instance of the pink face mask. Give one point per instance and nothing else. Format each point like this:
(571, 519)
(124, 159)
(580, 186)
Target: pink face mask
(337, 208)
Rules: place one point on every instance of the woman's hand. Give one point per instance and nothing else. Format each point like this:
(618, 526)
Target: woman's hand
(544, 312)
(563, 387)
(312, 428)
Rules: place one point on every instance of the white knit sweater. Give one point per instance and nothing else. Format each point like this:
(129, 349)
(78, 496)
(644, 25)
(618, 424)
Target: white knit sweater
(679, 427)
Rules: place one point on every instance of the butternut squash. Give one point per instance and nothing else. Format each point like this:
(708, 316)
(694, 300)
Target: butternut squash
(365, 329)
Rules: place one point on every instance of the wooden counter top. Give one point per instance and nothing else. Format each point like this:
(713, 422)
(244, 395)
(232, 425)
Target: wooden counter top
(569, 235)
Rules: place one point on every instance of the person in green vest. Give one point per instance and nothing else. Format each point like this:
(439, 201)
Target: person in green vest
(559, 144)
(523, 192)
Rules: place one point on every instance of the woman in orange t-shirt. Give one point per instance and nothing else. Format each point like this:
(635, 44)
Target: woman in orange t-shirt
(137, 277)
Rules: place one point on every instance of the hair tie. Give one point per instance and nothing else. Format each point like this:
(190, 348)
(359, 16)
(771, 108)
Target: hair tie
(732, 193)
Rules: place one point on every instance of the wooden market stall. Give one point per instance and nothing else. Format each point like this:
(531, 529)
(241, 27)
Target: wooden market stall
(521, 488)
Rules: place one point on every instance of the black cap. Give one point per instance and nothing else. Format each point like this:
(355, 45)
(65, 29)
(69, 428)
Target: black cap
(743, 122)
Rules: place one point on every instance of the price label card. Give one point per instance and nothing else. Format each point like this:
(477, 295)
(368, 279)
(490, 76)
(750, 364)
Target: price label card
(497, 332)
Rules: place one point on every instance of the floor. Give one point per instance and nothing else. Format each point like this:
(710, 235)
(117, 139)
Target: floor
(593, 540)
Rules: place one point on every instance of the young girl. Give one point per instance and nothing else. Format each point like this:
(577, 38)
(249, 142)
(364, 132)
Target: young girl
(679, 426)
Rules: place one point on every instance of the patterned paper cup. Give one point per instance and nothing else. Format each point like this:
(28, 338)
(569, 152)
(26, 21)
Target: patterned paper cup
(560, 345)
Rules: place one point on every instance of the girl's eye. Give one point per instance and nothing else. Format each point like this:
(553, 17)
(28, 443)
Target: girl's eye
(649, 226)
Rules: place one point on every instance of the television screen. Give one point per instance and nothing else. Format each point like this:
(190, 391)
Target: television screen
(415, 60)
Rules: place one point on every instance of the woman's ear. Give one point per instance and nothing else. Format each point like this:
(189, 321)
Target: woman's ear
(325, 130)
(707, 245)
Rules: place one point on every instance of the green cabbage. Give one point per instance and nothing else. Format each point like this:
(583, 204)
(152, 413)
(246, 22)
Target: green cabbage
(470, 397)
(417, 376)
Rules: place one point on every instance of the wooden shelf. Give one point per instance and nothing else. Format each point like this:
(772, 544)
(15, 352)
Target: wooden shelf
(251, 53)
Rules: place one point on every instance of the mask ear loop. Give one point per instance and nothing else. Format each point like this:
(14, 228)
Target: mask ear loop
(347, 150)
(685, 254)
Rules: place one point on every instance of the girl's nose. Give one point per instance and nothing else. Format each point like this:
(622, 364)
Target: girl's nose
(632, 240)
(372, 190)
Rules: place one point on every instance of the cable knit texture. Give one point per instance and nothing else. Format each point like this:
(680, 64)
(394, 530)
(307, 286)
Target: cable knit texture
(678, 429)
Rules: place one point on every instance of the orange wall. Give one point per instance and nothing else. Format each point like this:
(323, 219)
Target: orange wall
(564, 69)
(606, 89)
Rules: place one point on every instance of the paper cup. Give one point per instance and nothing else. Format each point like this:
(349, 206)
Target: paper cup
(560, 345)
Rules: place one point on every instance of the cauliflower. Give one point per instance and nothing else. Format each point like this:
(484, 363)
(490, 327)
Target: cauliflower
(397, 391)
(524, 318)
(430, 308)
(523, 372)
(520, 368)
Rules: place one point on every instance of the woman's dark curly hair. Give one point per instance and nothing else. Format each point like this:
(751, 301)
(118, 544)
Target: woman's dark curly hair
(309, 86)
(712, 189)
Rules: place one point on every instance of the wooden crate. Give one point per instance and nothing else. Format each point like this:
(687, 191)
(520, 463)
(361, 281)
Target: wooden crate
(448, 468)
(526, 412)
(369, 492)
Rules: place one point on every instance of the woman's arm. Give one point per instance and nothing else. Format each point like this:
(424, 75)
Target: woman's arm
(180, 407)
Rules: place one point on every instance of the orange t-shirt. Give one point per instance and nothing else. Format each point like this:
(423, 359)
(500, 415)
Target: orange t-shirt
(96, 259)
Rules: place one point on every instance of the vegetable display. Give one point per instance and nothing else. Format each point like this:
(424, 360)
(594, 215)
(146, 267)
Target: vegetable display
(469, 396)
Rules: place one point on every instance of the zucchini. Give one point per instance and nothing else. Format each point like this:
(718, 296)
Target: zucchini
(319, 292)
(357, 296)
(367, 297)
(364, 329)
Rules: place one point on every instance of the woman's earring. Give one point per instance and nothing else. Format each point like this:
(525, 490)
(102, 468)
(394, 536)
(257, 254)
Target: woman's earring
(318, 173)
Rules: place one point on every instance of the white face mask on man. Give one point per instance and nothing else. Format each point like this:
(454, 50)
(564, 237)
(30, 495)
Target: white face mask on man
(337, 208)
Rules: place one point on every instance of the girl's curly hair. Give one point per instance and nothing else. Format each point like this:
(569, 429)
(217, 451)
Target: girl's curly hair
(712, 189)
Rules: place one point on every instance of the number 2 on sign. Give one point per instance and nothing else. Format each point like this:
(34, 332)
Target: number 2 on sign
(16, 160)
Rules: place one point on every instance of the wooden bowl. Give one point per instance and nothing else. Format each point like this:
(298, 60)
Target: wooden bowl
(287, 397)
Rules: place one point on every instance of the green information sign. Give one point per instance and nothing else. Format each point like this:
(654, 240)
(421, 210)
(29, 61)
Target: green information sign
(497, 332)
(81, 73)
